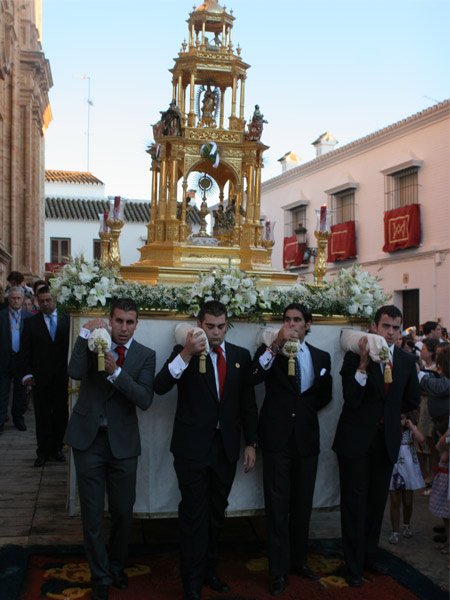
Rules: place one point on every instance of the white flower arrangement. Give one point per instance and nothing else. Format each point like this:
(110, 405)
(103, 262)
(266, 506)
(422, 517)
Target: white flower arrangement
(234, 288)
(82, 285)
(353, 292)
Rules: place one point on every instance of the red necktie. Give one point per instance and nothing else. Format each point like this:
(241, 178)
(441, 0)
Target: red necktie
(121, 352)
(221, 369)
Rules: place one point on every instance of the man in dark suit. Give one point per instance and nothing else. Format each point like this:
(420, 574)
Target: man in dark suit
(104, 434)
(289, 437)
(44, 351)
(205, 441)
(12, 321)
(367, 441)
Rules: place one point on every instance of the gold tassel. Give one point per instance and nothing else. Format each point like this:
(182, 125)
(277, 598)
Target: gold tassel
(291, 365)
(202, 363)
(101, 360)
(291, 347)
(387, 373)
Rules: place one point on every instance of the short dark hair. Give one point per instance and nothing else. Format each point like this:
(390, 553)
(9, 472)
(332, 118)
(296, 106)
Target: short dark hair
(307, 314)
(37, 283)
(429, 326)
(125, 304)
(43, 290)
(15, 276)
(390, 310)
(431, 345)
(212, 307)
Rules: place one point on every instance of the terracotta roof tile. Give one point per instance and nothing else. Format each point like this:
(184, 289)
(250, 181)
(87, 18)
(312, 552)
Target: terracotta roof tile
(71, 177)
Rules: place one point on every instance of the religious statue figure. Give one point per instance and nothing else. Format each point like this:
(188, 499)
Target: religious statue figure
(209, 103)
(255, 127)
(170, 122)
(189, 211)
(220, 223)
(215, 45)
(230, 214)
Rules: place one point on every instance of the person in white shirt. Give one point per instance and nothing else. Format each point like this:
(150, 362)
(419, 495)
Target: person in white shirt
(367, 441)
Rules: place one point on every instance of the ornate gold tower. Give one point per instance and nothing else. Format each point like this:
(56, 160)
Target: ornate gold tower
(194, 135)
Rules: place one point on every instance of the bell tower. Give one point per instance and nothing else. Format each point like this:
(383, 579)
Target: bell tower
(203, 131)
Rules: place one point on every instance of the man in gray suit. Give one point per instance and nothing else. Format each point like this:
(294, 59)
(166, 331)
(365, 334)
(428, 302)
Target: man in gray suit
(11, 328)
(104, 434)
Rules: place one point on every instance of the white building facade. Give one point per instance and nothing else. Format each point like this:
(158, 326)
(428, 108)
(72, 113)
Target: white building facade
(73, 201)
(403, 167)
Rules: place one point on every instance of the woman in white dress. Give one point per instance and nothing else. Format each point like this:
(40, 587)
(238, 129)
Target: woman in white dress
(406, 477)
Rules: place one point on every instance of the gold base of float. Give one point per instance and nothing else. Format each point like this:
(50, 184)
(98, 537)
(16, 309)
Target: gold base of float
(180, 265)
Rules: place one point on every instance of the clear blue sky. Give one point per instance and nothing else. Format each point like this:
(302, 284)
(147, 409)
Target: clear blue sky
(345, 66)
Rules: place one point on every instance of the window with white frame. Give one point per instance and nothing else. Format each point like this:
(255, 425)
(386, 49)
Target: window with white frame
(294, 218)
(401, 184)
(343, 206)
(402, 188)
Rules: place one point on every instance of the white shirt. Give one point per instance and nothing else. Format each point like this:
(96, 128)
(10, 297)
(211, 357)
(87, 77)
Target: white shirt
(303, 357)
(178, 366)
(361, 378)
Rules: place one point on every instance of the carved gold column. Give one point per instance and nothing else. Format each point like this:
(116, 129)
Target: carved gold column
(191, 116)
(241, 108)
(222, 107)
(174, 90)
(160, 223)
(233, 98)
(172, 230)
(173, 189)
(180, 94)
(257, 214)
(237, 217)
(202, 47)
(250, 195)
(183, 225)
(154, 204)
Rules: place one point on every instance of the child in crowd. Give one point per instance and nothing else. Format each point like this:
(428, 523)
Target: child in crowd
(439, 498)
(406, 477)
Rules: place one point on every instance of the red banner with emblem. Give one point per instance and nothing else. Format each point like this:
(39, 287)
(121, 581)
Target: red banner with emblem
(342, 243)
(402, 228)
(293, 252)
